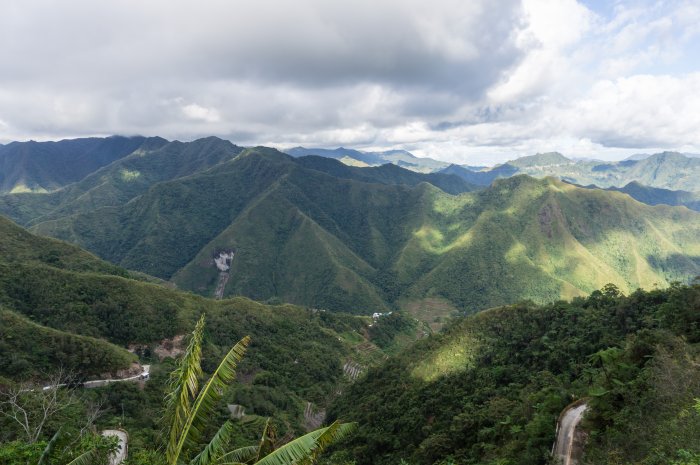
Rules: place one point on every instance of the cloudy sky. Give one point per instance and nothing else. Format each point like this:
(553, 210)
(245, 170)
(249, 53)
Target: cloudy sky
(477, 81)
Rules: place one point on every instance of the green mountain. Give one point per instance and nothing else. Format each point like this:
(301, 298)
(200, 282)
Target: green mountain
(481, 177)
(46, 166)
(667, 170)
(314, 232)
(62, 306)
(121, 181)
(656, 196)
(490, 388)
(540, 160)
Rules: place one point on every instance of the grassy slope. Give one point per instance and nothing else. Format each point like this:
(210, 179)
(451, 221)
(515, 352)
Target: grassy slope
(525, 238)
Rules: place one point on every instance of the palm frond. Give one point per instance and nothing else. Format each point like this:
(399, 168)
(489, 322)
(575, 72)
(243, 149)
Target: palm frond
(206, 401)
(50, 447)
(184, 382)
(242, 455)
(335, 432)
(216, 447)
(87, 458)
(305, 449)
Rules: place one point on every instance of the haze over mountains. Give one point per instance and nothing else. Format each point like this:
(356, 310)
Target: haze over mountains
(314, 231)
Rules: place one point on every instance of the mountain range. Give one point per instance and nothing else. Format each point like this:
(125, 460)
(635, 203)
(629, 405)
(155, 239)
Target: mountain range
(667, 170)
(314, 231)
(542, 268)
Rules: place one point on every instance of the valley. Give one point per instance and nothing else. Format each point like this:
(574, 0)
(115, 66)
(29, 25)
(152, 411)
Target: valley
(352, 281)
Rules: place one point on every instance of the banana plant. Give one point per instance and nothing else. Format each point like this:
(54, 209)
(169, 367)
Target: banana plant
(189, 408)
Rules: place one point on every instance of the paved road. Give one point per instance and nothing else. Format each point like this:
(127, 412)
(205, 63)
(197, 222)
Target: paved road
(569, 444)
(117, 457)
(144, 375)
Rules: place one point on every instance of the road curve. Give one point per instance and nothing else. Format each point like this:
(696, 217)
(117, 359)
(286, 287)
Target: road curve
(568, 447)
(119, 455)
(143, 376)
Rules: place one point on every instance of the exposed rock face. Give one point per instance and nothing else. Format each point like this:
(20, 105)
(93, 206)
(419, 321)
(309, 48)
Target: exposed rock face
(170, 347)
(223, 260)
(237, 411)
(313, 417)
(223, 264)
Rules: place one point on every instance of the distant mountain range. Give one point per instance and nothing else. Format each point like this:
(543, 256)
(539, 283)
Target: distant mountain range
(351, 157)
(667, 170)
(44, 166)
(314, 231)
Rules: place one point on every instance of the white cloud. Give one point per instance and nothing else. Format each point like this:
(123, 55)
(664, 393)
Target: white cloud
(478, 81)
(200, 113)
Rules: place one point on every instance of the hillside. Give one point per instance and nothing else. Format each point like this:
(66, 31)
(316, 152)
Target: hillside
(61, 306)
(656, 196)
(120, 181)
(491, 387)
(28, 350)
(315, 232)
(46, 166)
(541, 160)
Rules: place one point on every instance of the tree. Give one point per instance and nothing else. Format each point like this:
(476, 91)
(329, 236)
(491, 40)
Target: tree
(189, 408)
(32, 406)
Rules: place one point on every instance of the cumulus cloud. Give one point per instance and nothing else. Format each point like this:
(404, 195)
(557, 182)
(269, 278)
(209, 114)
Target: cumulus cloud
(476, 81)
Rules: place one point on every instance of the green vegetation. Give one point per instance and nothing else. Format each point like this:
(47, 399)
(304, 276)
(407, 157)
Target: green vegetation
(156, 160)
(656, 196)
(667, 170)
(489, 389)
(191, 405)
(315, 232)
(60, 306)
(45, 166)
(28, 349)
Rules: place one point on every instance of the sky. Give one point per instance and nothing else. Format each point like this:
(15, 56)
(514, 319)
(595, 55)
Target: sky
(474, 82)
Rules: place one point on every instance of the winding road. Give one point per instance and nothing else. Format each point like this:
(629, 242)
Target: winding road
(568, 446)
(120, 454)
(143, 376)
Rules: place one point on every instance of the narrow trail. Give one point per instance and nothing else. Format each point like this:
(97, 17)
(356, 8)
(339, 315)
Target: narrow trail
(568, 447)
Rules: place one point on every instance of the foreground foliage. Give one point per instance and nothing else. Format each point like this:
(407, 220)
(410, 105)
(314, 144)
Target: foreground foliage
(190, 408)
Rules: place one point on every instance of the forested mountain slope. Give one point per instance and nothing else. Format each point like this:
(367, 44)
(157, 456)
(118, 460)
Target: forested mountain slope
(45, 166)
(490, 388)
(63, 307)
(318, 233)
(119, 182)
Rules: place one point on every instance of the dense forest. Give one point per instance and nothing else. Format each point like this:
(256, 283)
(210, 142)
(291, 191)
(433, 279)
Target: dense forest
(489, 389)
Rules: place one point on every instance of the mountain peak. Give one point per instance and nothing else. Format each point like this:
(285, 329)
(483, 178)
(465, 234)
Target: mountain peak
(541, 159)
